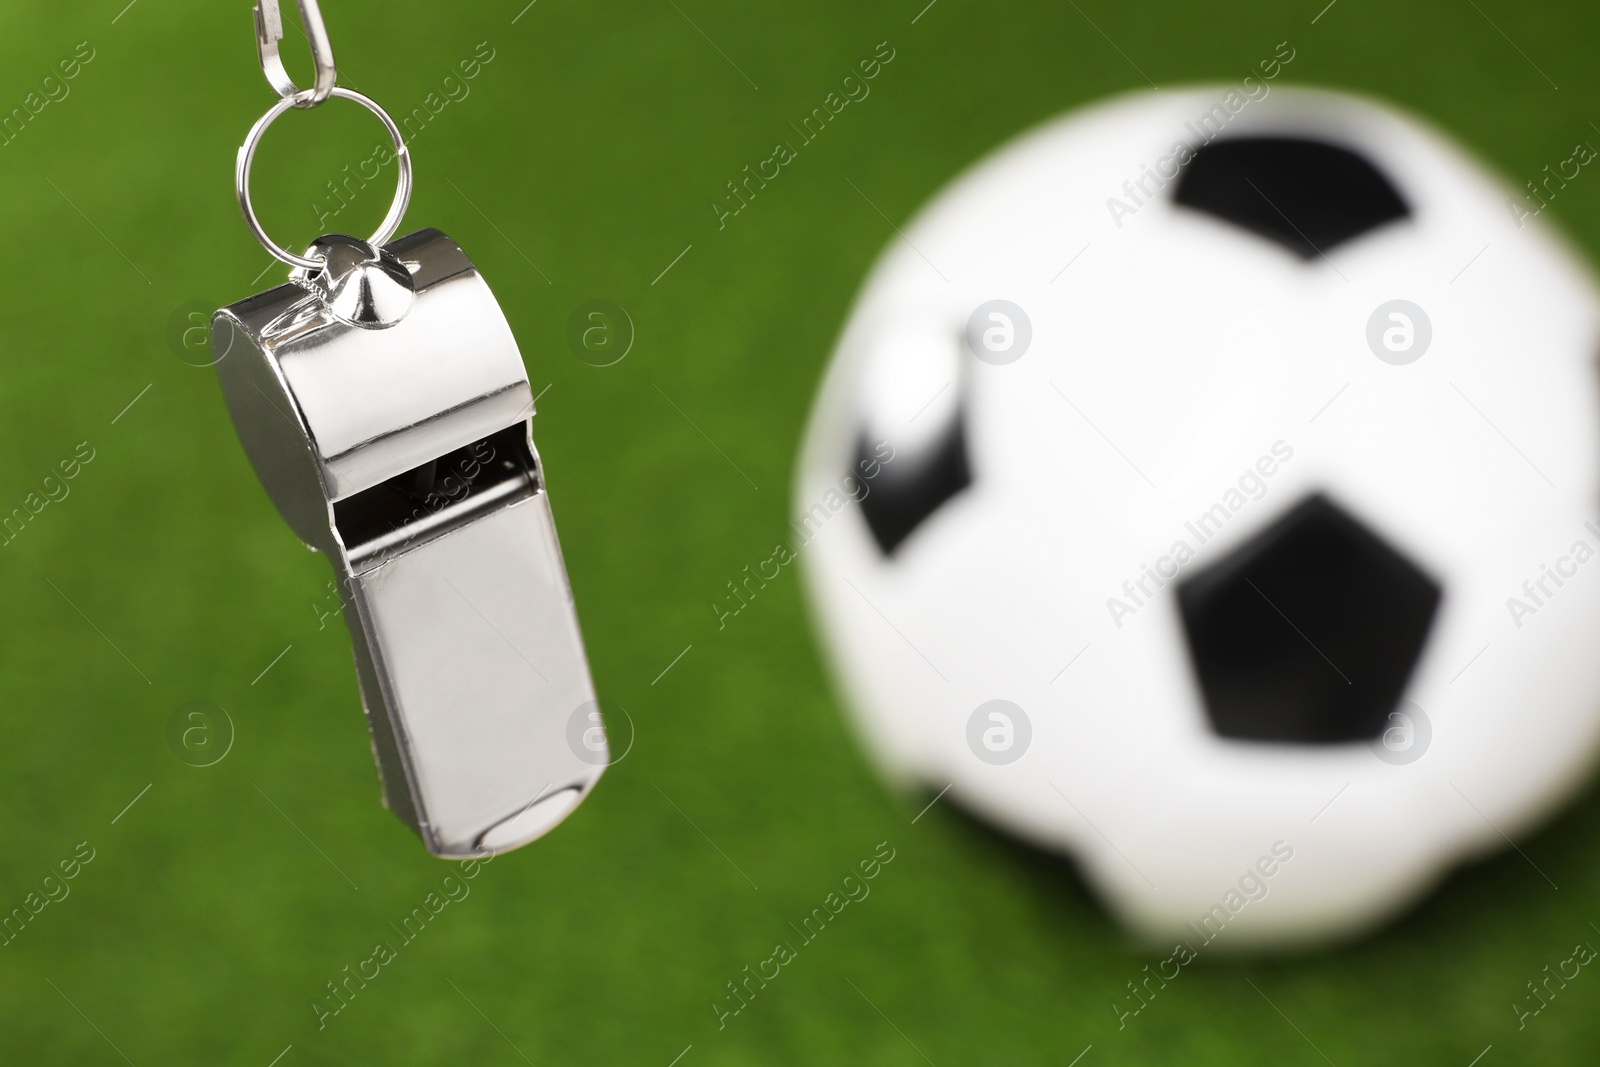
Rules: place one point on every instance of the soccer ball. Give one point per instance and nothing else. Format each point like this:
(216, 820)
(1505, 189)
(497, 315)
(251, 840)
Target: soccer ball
(1207, 492)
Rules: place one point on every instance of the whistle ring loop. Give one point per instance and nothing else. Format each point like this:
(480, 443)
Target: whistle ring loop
(247, 155)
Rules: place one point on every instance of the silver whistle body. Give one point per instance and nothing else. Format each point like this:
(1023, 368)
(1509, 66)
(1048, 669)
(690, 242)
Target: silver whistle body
(387, 412)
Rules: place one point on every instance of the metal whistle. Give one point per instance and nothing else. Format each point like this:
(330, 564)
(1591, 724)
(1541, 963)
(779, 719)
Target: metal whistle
(384, 405)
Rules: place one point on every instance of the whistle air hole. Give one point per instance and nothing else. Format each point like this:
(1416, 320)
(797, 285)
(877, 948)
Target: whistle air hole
(431, 494)
(422, 480)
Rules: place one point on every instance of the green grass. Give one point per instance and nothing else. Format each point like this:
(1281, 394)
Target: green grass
(594, 140)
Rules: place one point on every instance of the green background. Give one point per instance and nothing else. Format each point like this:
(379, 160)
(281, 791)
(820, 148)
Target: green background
(582, 163)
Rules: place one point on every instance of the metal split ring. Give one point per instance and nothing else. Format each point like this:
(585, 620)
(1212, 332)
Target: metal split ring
(247, 154)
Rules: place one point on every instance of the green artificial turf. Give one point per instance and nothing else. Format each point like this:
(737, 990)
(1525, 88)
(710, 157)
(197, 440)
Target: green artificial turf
(579, 162)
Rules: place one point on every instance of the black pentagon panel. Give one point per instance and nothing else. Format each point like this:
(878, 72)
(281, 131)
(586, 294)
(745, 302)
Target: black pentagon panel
(909, 488)
(1309, 632)
(1306, 195)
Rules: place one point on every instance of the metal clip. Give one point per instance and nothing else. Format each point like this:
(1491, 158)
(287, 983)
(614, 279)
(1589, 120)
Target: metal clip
(269, 31)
